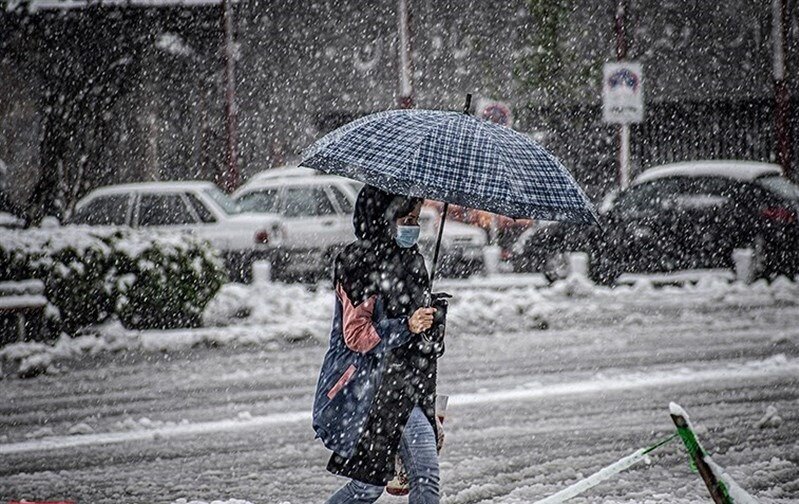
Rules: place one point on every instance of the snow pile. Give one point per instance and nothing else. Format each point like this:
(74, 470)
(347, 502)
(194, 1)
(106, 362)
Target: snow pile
(575, 285)
(32, 358)
(80, 428)
(271, 314)
(293, 311)
(771, 419)
(478, 311)
(35, 357)
(40, 433)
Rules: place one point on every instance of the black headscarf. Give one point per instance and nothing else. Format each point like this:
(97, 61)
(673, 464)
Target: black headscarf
(375, 256)
(376, 211)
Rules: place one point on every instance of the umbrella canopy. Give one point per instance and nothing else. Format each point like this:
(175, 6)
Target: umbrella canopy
(455, 158)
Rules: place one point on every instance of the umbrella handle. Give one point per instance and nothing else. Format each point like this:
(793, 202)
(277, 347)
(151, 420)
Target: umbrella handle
(435, 254)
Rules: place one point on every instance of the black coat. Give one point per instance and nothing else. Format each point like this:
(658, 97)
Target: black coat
(376, 265)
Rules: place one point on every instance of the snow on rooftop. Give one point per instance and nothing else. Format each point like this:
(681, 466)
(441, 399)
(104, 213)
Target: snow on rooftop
(285, 171)
(739, 170)
(172, 185)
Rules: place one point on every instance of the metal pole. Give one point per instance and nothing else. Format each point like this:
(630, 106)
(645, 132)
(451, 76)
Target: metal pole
(716, 488)
(438, 243)
(624, 155)
(405, 98)
(230, 176)
(782, 98)
(621, 39)
(466, 108)
(624, 129)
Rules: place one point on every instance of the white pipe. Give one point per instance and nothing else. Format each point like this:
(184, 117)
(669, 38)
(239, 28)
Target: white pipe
(624, 156)
(595, 479)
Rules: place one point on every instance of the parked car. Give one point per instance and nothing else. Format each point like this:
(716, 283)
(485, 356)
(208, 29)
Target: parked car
(506, 230)
(545, 246)
(461, 244)
(195, 207)
(686, 216)
(283, 172)
(317, 212)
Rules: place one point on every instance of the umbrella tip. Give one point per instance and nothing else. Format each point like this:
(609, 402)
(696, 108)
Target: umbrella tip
(468, 103)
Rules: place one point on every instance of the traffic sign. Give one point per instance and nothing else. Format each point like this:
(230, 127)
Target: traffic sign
(622, 93)
(494, 111)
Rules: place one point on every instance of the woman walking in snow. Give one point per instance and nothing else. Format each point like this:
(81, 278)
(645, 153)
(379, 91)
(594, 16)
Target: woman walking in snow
(376, 392)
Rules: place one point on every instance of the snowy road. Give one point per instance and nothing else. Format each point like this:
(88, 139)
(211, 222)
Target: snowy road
(531, 411)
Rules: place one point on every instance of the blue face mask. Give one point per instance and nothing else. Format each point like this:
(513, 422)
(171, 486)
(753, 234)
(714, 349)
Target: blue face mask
(407, 236)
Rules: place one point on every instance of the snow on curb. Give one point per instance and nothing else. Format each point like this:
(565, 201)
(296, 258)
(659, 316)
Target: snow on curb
(269, 313)
(35, 358)
(269, 304)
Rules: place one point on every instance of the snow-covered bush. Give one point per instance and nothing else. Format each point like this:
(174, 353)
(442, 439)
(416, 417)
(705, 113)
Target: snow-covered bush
(147, 279)
(165, 282)
(73, 266)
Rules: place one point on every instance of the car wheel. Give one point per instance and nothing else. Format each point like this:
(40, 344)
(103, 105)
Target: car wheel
(280, 266)
(556, 267)
(602, 270)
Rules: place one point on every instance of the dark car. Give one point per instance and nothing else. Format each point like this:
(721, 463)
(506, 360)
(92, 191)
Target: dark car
(545, 246)
(687, 216)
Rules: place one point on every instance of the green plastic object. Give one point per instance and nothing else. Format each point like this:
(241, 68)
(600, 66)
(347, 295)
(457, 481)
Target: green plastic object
(696, 452)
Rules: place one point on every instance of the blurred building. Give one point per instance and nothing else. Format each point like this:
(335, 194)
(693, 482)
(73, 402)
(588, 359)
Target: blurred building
(116, 90)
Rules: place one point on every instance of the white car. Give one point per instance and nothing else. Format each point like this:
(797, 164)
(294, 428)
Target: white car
(283, 172)
(317, 213)
(199, 208)
(462, 244)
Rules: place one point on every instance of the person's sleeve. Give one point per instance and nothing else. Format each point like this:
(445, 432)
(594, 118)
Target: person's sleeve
(362, 333)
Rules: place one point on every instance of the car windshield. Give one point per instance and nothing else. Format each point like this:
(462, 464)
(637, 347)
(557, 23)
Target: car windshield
(780, 185)
(261, 200)
(227, 205)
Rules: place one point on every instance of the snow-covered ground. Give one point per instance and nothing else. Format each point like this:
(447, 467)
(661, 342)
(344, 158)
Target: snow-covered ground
(547, 385)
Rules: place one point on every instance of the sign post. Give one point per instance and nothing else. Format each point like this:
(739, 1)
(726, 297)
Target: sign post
(623, 103)
(500, 113)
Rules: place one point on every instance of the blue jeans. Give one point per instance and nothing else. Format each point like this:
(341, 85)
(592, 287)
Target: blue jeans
(418, 452)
